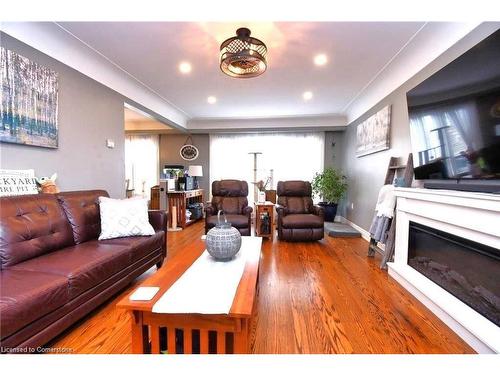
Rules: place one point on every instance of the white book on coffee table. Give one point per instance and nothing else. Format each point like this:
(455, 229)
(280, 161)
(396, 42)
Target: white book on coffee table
(144, 293)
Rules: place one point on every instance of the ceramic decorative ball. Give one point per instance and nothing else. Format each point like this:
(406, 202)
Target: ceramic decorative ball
(223, 241)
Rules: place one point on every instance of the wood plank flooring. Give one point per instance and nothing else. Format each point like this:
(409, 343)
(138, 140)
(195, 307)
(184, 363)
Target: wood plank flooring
(322, 297)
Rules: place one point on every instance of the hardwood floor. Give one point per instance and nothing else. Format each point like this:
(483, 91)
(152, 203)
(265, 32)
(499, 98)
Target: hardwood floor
(323, 297)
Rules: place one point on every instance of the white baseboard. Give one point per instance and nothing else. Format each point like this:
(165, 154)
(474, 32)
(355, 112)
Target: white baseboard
(364, 233)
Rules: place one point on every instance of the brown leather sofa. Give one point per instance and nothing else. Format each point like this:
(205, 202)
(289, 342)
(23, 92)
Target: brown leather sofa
(53, 269)
(298, 218)
(230, 196)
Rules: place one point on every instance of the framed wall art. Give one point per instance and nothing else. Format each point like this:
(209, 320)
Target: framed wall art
(28, 108)
(189, 151)
(374, 134)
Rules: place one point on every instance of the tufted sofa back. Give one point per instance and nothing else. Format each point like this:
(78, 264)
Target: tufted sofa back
(82, 210)
(230, 196)
(295, 196)
(31, 225)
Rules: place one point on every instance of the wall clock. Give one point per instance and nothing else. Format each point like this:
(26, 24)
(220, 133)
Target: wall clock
(189, 151)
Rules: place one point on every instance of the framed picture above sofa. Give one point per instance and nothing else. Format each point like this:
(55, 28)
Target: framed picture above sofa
(28, 109)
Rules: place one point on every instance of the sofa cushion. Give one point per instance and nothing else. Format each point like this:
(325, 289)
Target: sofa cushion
(297, 205)
(140, 246)
(26, 296)
(82, 210)
(237, 221)
(30, 226)
(302, 221)
(294, 188)
(230, 205)
(230, 188)
(85, 265)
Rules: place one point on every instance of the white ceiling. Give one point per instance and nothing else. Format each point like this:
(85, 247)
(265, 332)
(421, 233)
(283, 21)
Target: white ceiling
(151, 52)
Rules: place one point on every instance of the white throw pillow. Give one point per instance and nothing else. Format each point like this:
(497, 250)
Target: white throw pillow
(124, 218)
(17, 182)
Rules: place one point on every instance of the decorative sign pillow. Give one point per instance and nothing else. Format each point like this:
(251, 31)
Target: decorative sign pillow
(17, 182)
(124, 218)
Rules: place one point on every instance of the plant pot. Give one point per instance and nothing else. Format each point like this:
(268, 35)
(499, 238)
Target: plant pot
(330, 210)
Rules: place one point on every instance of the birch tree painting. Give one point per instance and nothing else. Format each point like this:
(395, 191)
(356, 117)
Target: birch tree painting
(28, 107)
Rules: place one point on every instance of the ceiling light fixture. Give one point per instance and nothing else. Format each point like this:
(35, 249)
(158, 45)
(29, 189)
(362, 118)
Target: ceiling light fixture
(307, 95)
(211, 100)
(185, 67)
(243, 56)
(320, 59)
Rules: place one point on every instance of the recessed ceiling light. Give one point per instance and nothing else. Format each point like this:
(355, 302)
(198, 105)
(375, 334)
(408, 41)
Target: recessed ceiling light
(185, 67)
(307, 95)
(320, 59)
(211, 100)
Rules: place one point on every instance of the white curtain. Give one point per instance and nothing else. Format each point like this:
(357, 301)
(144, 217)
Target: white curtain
(286, 156)
(142, 163)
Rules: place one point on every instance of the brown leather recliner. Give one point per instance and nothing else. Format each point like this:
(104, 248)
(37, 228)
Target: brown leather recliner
(230, 196)
(298, 218)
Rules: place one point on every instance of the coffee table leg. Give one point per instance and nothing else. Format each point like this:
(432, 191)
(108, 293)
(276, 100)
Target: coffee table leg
(241, 338)
(138, 333)
(155, 339)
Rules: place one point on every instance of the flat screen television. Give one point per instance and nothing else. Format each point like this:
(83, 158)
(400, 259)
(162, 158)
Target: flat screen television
(455, 122)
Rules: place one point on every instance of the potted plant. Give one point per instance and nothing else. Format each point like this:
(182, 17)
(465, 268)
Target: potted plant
(331, 185)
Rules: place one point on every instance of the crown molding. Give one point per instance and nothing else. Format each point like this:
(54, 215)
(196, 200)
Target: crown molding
(54, 41)
(424, 47)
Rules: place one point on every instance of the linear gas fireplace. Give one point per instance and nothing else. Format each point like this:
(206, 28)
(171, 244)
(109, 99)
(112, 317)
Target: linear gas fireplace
(467, 269)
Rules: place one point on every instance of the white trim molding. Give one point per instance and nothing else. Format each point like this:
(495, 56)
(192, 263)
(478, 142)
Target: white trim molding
(309, 123)
(423, 48)
(53, 40)
(474, 216)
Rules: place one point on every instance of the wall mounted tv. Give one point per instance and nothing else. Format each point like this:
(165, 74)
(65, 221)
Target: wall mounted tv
(455, 122)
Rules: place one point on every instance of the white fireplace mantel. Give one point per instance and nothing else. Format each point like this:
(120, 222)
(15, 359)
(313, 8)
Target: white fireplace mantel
(474, 216)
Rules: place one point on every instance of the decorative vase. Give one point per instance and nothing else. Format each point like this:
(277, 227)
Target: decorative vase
(261, 198)
(223, 241)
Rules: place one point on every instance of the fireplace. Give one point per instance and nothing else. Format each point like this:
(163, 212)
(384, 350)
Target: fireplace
(467, 269)
(447, 254)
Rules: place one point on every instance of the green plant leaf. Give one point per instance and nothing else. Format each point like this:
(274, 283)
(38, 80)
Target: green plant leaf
(331, 185)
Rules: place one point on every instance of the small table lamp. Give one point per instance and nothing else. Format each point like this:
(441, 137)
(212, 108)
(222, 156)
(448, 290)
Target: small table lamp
(195, 171)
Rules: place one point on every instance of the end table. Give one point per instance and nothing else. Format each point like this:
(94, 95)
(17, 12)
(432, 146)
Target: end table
(264, 219)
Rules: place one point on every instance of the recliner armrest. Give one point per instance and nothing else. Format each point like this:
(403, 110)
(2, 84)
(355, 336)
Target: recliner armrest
(158, 219)
(319, 211)
(280, 210)
(247, 210)
(209, 209)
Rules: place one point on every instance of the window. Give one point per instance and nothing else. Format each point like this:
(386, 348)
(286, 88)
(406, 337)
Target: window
(285, 156)
(142, 163)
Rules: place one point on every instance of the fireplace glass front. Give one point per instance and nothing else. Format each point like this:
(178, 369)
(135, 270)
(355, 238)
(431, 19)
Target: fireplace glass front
(468, 270)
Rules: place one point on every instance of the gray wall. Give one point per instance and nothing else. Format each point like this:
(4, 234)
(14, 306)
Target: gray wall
(334, 149)
(170, 145)
(89, 113)
(366, 174)
(334, 156)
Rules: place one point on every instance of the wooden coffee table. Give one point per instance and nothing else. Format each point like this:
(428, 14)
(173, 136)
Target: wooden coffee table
(229, 331)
